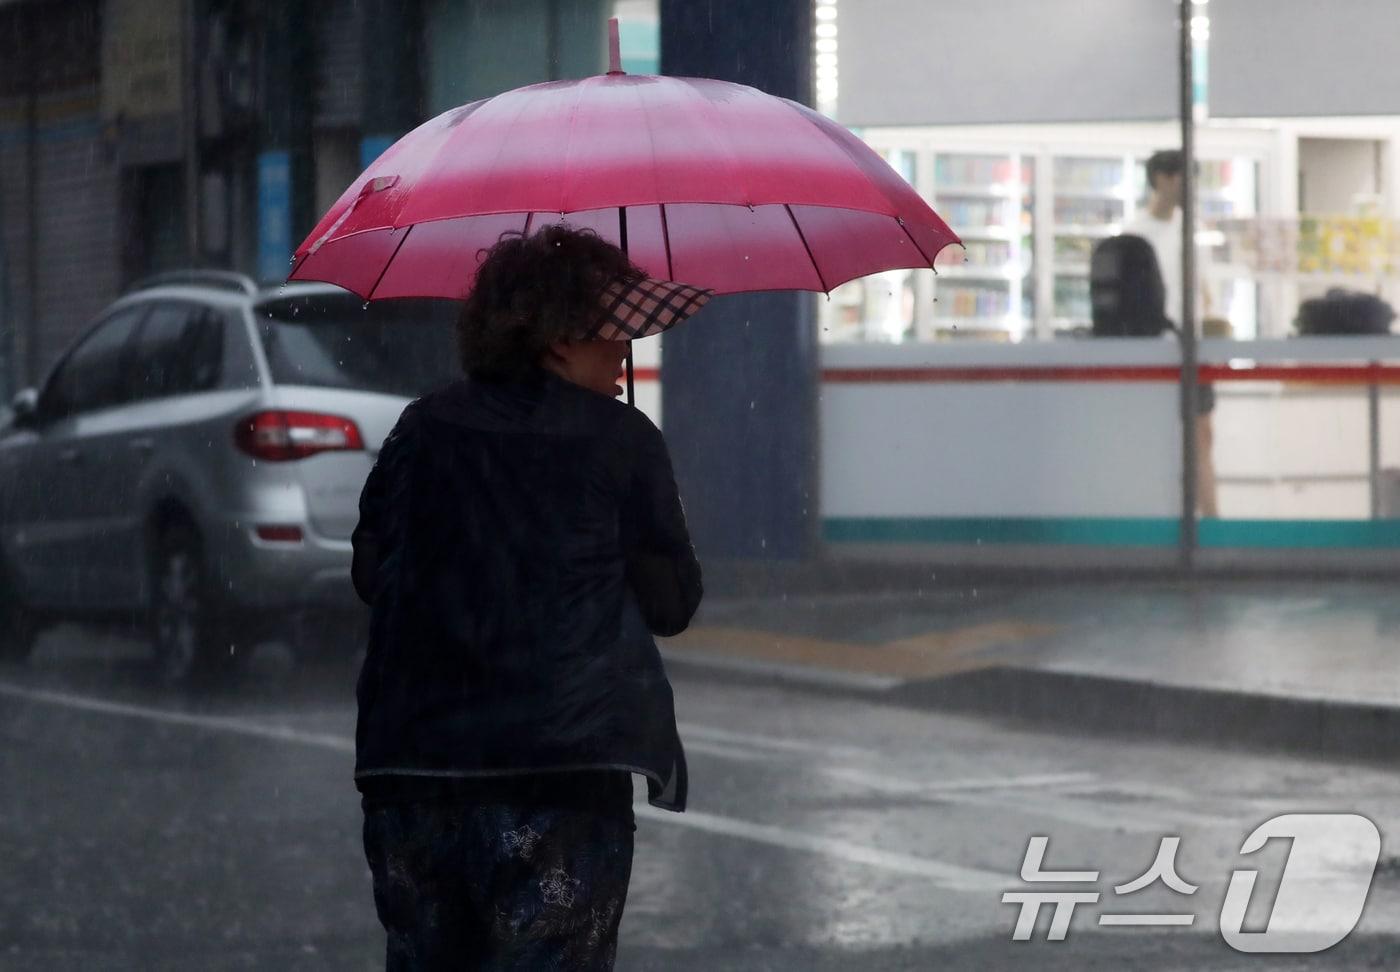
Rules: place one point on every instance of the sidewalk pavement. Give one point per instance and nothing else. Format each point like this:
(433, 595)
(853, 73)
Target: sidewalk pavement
(1301, 666)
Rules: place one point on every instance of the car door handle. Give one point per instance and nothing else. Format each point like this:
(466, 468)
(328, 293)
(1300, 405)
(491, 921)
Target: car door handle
(143, 444)
(70, 456)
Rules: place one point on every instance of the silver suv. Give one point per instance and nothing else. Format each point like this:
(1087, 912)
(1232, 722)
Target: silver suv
(194, 462)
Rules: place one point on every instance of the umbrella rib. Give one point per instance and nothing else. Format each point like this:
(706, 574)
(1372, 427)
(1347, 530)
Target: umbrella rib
(905, 230)
(810, 255)
(565, 187)
(666, 242)
(379, 279)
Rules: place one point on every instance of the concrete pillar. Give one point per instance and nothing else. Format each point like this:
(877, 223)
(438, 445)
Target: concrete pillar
(391, 52)
(285, 179)
(740, 383)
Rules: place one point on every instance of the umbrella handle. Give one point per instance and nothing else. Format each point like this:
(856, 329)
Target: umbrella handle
(631, 391)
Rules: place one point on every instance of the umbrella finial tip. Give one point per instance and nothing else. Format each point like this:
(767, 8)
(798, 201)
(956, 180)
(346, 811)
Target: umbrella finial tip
(614, 48)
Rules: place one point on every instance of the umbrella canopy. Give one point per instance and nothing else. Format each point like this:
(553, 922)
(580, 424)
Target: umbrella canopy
(710, 183)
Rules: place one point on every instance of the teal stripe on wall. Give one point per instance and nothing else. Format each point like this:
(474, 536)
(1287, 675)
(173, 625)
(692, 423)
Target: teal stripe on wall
(1105, 531)
(1115, 531)
(1328, 534)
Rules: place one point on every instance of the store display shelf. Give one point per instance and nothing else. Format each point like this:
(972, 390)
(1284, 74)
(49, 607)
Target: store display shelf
(986, 232)
(1071, 269)
(991, 335)
(972, 272)
(1216, 270)
(1069, 323)
(1118, 194)
(1071, 229)
(985, 190)
(1008, 322)
(1332, 278)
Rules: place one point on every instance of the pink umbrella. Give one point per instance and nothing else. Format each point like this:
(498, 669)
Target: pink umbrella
(709, 183)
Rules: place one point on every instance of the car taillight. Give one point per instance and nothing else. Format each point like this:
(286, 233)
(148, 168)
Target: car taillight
(281, 436)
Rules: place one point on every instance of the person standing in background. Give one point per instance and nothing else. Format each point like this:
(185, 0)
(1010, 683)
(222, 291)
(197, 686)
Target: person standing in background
(1160, 224)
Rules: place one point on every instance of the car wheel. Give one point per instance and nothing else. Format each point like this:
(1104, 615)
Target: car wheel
(19, 627)
(185, 628)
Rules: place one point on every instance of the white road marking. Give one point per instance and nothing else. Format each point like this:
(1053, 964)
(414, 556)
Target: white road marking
(1045, 801)
(976, 792)
(999, 793)
(986, 792)
(691, 730)
(724, 751)
(1088, 814)
(937, 788)
(1082, 813)
(1174, 801)
(88, 703)
(982, 793)
(951, 876)
(749, 747)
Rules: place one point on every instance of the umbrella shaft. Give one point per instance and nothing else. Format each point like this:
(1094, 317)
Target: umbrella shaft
(622, 241)
(631, 390)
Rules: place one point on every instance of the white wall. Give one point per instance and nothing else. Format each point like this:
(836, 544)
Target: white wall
(1303, 57)
(1000, 449)
(912, 62)
(646, 353)
(1283, 450)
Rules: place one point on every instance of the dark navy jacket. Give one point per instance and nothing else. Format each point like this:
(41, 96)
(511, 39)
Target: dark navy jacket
(519, 543)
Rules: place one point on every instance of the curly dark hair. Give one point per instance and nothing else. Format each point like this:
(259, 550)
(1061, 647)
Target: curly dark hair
(532, 291)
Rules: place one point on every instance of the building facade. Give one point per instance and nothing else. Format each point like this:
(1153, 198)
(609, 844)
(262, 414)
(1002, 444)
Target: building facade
(138, 136)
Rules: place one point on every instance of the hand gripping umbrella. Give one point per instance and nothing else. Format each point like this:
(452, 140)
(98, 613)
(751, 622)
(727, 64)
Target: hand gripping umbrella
(705, 182)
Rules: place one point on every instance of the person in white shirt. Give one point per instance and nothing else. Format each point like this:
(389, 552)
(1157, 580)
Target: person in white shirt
(1160, 225)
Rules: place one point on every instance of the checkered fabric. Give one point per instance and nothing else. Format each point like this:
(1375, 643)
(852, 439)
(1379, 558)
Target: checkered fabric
(632, 311)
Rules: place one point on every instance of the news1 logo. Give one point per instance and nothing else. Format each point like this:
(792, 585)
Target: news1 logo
(1321, 893)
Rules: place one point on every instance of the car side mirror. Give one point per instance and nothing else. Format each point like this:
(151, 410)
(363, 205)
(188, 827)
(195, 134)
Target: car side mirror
(25, 406)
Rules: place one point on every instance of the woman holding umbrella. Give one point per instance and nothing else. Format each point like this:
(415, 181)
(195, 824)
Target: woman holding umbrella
(520, 541)
(521, 531)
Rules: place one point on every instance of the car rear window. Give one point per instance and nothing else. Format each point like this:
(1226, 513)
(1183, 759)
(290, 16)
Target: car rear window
(396, 347)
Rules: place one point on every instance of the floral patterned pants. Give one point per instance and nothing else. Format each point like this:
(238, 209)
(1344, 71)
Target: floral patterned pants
(465, 884)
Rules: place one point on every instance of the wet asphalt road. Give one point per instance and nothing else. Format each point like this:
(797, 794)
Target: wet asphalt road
(145, 828)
